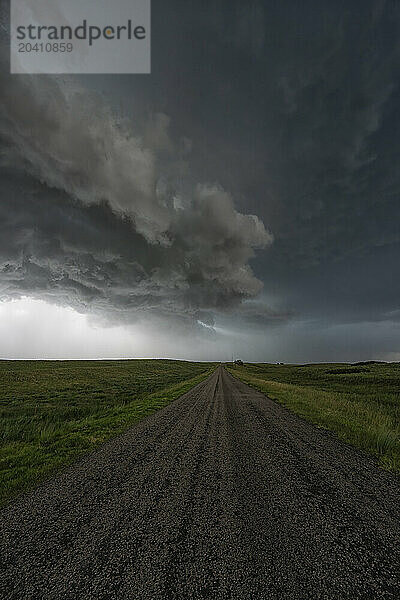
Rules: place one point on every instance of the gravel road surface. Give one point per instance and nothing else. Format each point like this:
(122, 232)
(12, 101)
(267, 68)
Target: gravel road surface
(223, 494)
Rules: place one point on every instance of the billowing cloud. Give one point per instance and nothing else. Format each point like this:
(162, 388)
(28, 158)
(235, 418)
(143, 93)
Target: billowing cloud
(94, 213)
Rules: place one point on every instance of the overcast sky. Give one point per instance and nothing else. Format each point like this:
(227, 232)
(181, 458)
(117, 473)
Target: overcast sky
(242, 199)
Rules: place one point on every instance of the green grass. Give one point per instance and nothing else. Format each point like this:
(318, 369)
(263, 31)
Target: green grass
(360, 403)
(52, 412)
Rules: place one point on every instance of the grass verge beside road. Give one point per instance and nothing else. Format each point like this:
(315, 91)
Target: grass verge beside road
(52, 412)
(359, 403)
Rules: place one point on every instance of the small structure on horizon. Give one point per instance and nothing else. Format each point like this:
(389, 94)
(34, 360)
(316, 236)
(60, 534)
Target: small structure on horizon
(238, 362)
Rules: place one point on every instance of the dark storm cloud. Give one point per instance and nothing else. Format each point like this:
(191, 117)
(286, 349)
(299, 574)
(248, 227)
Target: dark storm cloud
(306, 131)
(290, 108)
(303, 128)
(106, 226)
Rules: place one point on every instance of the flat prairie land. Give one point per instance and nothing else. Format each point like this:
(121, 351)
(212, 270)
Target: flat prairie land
(359, 402)
(53, 411)
(222, 494)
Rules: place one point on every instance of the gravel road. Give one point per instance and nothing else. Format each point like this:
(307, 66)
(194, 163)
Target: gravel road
(223, 494)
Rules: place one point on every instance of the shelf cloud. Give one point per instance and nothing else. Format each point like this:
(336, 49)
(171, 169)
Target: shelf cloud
(107, 219)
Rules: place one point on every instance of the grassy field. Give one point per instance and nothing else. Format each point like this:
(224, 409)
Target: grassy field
(51, 412)
(360, 403)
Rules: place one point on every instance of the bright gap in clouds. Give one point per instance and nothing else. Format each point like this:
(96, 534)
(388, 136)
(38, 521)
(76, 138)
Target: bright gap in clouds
(33, 329)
